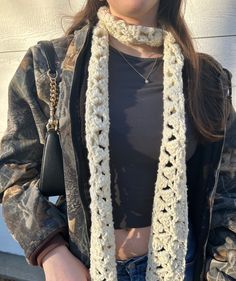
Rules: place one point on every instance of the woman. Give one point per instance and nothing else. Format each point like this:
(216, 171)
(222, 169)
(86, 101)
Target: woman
(142, 135)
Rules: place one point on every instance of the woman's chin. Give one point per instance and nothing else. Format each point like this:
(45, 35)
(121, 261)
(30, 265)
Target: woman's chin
(135, 9)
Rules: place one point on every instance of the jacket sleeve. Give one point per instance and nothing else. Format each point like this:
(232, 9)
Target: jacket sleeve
(221, 248)
(30, 217)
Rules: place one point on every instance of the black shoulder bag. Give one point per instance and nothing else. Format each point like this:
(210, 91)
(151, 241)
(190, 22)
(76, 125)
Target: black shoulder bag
(52, 175)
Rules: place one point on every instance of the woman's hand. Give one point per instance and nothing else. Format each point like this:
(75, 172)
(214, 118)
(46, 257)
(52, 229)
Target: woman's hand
(61, 265)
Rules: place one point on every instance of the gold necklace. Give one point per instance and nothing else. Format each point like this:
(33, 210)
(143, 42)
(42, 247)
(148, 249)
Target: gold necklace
(146, 79)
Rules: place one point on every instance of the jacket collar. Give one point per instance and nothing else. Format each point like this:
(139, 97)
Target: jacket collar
(68, 71)
(75, 48)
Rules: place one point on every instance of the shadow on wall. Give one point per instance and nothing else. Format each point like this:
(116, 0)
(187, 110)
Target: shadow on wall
(221, 41)
(227, 47)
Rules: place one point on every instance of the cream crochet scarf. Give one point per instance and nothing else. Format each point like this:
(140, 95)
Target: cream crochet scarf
(169, 229)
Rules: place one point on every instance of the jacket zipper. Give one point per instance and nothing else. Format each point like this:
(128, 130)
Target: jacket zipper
(78, 168)
(211, 202)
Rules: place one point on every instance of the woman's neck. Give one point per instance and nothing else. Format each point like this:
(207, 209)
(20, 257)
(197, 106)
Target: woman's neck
(148, 19)
(142, 51)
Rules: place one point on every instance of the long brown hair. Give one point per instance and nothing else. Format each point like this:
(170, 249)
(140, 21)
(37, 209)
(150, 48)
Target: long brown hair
(204, 99)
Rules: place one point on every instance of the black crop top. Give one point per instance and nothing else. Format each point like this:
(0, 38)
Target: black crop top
(135, 136)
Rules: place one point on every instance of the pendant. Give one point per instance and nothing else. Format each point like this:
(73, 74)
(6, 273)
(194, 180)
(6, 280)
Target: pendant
(146, 81)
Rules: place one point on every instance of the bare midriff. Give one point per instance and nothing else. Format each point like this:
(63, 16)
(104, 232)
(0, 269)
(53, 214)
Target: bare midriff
(131, 242)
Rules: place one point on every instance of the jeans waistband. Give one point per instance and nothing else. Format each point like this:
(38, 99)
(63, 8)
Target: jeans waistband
(136, 259)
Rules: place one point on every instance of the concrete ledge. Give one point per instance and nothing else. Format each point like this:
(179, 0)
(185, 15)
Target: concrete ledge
(16, 268)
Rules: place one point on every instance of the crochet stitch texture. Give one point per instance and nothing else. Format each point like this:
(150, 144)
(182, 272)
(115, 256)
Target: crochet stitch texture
(169, 229)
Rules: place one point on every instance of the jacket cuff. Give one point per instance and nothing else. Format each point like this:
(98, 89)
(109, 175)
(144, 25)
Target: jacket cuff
(41, 251)
(55, 242)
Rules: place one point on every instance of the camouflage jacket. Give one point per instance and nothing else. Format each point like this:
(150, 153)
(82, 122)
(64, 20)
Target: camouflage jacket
(33, 220)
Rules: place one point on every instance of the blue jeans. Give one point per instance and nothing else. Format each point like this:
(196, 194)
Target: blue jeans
(134, 269)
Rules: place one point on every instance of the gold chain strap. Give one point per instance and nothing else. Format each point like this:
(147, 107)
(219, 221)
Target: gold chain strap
(53, 121)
